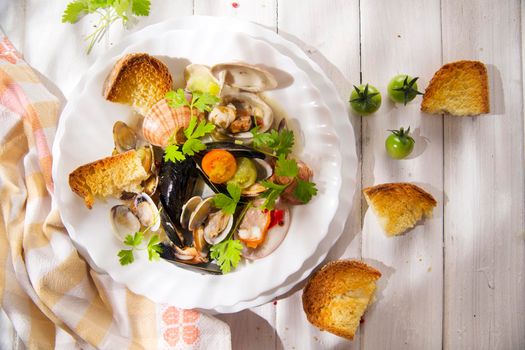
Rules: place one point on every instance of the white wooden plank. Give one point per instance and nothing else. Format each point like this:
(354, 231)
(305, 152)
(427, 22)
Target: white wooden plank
(261, 11)
(484, 183)
(403, 37)
(329, 34)
(253, 328)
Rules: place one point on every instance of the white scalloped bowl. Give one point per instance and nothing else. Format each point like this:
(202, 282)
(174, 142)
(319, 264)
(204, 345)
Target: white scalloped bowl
(84, 135)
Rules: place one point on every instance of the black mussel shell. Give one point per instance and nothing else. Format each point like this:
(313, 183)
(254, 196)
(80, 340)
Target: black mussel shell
(168, 254)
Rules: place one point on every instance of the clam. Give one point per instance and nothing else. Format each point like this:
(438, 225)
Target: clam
(124, 137)
(187, 209)
(250, 111)
(199, 78)
(217, 227)
(222, 116)
(244, 76)
(123, 221)
(200, 214)
(147, 212)
(163, 122)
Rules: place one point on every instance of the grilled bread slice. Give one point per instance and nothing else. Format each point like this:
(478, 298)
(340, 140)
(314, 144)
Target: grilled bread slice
(399, 206)
(336, 296)
(109, 177)
(458, 88)
(139, 80)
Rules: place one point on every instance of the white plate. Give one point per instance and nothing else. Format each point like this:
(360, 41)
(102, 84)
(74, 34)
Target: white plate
(85, 134)
(339, 115)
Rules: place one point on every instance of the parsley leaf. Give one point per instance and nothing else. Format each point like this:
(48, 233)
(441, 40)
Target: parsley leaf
(272, 194)
(140, 7)
(279, 142)
(74, 11)
(192, 146)
(126, 256)
(177, 98)
(227, 254)
(225, 203)
(286, 167)
(188, 132)
(173, 154)
(135, 240)
(202, 129)
(204, 101)
(305, 190)
(154, 248)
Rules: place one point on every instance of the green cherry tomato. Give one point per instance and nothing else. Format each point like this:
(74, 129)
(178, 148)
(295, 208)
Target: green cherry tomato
(365, 99)
(403, 88)
(399, 144)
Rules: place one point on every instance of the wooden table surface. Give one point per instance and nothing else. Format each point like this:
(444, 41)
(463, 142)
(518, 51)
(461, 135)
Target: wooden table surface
(456, 282)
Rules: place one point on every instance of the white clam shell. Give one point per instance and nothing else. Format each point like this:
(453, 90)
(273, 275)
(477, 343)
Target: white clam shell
(244, 76)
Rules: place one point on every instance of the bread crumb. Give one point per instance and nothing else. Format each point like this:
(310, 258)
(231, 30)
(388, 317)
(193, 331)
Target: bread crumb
(429, 268)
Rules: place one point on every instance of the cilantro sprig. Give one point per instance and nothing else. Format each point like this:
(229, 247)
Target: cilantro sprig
(203, 102)
(278, 142)
(228, 204)
(304, 190)
(135, 242)
(109, 11)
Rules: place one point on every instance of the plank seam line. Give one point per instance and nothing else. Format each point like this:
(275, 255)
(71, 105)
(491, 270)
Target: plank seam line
(360, 154)
(443, 299)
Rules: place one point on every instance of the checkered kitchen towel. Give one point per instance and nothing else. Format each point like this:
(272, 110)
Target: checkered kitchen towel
(50, 294)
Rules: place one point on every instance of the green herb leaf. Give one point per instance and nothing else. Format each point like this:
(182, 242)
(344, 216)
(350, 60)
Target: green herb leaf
(173, 154)
(74, 11)
(176, 98)
(140, 7)
(192, 146)
(154, 248)
(109, 11)
(227, 254)
(126, 256)
(203, 129)
(305, 190)
(225, 203)
(279, 142)
(286, 167)
(272, 194)
(204, 101)
(135, 240)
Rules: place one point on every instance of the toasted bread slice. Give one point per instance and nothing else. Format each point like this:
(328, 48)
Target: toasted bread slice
(139, 80)
(108, 177)
(336, 296)
(399, 206)
(458, 88)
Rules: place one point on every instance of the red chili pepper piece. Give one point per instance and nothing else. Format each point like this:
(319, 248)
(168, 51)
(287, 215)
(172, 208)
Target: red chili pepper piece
(276, 218)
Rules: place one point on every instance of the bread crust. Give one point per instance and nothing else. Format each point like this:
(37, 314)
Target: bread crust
(449, 71)
(329, 282)
(98, 170)
(399, 205)
(115, 78)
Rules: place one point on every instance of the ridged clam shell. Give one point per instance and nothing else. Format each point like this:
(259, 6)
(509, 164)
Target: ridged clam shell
(162, 121)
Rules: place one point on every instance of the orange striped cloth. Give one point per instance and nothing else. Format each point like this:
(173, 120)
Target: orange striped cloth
(51, 295)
